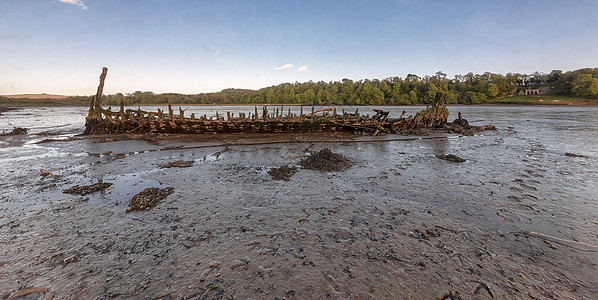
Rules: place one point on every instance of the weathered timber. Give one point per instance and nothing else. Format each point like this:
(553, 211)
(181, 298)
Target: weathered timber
(101, 86)
(105, 121)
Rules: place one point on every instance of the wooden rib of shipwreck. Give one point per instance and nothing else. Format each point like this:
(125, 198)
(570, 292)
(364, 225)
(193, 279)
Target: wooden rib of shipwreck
(128, 121)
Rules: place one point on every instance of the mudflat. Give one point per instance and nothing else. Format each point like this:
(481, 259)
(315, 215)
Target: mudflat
(396, 222)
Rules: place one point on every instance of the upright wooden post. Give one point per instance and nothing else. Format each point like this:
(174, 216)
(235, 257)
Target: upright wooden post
(100, 91)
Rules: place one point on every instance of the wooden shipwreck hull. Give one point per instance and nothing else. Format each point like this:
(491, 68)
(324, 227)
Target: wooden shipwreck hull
(102, 121)
(128, 121)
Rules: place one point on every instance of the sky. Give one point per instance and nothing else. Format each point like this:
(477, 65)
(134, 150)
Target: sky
(195, 46)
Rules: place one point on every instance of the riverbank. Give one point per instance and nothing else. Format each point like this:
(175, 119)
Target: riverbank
(514, 100)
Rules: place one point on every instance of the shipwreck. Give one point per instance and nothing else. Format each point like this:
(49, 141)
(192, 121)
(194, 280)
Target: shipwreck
(269, 120)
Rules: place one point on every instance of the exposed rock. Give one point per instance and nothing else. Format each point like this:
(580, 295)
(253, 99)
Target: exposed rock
(451, 157)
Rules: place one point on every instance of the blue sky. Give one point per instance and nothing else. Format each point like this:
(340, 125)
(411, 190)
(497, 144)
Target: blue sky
(185, 46)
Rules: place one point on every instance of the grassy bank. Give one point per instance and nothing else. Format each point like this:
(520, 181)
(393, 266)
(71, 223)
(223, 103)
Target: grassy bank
(547, 100)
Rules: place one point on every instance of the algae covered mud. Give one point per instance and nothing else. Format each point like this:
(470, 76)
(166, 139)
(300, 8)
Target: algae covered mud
(517, 219)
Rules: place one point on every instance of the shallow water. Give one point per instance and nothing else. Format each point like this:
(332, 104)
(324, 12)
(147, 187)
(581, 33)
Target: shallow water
(515, 178)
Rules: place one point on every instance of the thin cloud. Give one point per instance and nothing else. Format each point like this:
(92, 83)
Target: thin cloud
(287, 66)
(79, 3)
(218, 52)
(302, 69)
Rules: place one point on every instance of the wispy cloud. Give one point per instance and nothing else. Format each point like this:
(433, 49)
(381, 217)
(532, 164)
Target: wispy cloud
(79, 3)
(218, 52)
(287, 66)
(302, 69)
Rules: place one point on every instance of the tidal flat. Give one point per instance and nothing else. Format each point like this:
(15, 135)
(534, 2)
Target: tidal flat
(517, 219)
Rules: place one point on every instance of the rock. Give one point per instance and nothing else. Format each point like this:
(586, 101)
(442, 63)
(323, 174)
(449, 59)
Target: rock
(451, 157)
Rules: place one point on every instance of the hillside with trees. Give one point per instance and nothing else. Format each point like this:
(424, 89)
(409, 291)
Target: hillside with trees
(413, 89)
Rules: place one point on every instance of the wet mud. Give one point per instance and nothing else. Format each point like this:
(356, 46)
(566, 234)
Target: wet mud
(517, 220)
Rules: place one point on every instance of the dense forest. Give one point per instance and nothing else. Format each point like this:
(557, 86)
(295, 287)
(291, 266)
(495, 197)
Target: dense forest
(462, 89)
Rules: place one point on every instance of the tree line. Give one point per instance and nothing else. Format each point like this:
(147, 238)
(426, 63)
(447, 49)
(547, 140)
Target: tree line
(461, 89)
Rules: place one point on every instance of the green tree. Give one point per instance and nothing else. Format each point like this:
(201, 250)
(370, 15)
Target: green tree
(585, 86)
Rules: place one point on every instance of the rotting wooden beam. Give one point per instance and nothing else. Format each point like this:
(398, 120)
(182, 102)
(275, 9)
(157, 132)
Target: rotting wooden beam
(100, 91)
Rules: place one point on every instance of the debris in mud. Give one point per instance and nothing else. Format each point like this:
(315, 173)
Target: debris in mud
(32, 293)
(483, 287)
(177, 147)
(450, 295)
(58, 140)
(178, 164)
(16, 131)
(414, 131)
(150, 138)
(43, 173)
(325, 161)
(573, 155)
(88, 189)
(451, 157)
(424, 235)
(149, 198)
(283, 173)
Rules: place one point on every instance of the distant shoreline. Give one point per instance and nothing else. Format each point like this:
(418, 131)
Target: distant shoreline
(5, 107)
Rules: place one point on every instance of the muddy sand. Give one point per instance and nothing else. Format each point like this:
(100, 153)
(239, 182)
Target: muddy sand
(394, 223)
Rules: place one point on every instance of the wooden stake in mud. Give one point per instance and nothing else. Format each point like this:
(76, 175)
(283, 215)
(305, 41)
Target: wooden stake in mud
(101, 87)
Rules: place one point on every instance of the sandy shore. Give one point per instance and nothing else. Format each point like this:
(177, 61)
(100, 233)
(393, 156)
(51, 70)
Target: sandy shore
(398, 224)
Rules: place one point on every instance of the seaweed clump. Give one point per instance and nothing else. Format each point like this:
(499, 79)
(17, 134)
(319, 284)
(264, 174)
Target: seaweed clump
(326, 161)
(178, 164)
(87, 189)
(149, 198)
(283, 173)
(16, 131)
